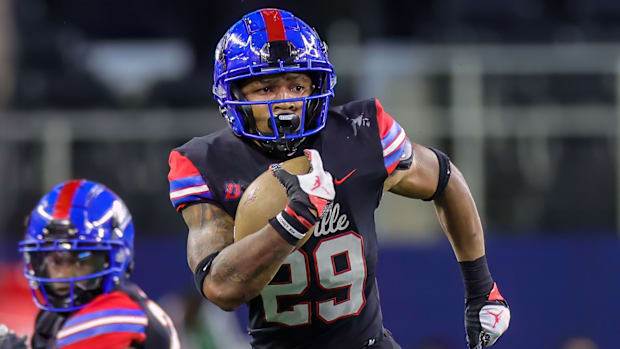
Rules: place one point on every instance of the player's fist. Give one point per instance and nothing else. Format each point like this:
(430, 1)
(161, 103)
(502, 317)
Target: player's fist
(9, 340)
(486, 318)
(311, 193)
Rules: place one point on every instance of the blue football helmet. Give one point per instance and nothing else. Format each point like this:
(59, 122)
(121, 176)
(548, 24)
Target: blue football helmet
(78, 244)
(271, 41)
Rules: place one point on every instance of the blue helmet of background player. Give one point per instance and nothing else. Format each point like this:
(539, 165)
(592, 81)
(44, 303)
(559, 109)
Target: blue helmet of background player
(78, 244)
(271, 41)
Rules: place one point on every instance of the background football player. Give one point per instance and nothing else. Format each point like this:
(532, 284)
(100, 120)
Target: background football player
(273, 82)
(78, 254)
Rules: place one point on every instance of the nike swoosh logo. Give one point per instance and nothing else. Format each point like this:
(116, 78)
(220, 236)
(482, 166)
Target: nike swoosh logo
(340, 181)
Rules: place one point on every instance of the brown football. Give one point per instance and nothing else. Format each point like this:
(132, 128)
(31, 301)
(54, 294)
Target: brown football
(265, 198)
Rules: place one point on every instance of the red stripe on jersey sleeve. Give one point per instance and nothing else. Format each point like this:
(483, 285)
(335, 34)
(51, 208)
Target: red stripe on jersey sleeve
(180, 166)
(65, 198)
(392, 167)
(274, 25)
(384, 120)
(117, 340)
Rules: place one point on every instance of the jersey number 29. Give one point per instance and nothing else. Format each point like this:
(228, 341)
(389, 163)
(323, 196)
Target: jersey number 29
(351, 246)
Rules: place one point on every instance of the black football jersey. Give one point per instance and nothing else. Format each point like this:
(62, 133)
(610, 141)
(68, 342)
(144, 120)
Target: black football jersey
(325, 294)
(119, 319)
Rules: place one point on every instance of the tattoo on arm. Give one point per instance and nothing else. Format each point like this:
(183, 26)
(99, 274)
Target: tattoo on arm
(249, 268)
(210, 230)
(240, 271)
(225, 271)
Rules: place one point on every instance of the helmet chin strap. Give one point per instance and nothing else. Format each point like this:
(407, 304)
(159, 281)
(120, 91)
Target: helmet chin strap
(283, 147)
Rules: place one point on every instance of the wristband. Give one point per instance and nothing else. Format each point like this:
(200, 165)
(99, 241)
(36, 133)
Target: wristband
(476, 277)
(291, 226)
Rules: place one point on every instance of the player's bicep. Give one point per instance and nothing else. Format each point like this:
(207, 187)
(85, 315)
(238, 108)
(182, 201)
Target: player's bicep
(210, 230)
(420, 180)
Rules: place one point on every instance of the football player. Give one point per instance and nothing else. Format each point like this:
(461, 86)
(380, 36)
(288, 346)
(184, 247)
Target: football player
(78, 254)
(273, 82)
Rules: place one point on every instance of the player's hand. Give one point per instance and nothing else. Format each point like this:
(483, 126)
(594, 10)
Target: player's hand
(9, 340)
(486, 318)
(310, 195)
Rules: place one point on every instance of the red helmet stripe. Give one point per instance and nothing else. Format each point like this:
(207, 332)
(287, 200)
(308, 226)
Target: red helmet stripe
(63, 203)
(274, 25)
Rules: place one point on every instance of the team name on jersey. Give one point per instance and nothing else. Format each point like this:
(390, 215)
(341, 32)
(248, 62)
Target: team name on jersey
(332, 222)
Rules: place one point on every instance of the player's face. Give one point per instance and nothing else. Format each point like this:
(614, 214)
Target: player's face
(68, 264)
(276, 86)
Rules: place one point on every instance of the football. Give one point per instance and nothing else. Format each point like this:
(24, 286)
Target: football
(264, 199)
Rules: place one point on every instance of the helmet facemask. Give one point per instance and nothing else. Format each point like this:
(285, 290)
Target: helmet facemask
(65, 272)
(86, 270)
(286, 130)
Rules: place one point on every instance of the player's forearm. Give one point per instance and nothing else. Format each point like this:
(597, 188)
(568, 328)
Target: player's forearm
(459, 218)
(241, 270)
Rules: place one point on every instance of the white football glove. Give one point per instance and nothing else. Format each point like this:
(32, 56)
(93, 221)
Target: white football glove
(486, 319)
(310, 196)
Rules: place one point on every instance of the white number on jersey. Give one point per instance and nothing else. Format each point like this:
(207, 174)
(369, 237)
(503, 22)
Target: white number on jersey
(349, 245)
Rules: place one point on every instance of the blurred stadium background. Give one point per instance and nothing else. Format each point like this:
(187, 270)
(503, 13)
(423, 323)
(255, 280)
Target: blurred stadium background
(523, 94)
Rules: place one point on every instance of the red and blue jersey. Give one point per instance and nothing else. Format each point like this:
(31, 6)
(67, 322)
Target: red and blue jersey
(325, 293)
(117, 320)
(111, 320)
